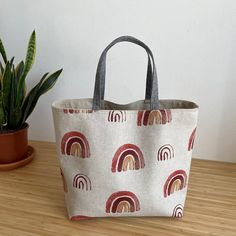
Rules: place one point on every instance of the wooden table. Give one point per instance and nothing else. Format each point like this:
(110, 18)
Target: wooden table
(32, 203)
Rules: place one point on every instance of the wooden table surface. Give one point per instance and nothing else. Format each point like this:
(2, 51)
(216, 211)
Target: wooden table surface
(32, 203)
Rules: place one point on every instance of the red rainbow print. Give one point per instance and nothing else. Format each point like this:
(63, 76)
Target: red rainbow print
(165, 152)
(178, 211)
(75, 144)
(64, 181)
(80, 217)
(127, 157)
(116, 116)
(76, 111)
(175, 182)
(191, 140)
(122, 201)
(82, 182)
(154, 117)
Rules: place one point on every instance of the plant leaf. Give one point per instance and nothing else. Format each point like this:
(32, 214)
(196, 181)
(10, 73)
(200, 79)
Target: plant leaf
(19, 69)
(14, 119)
(49, 82)
(13, 113)
(11, 61)
(30, 55)
(1, 76)
(1, 68)
(42, 87)
(29, 61)
(3, 52)
(2, 113)
(30, 100)
(6, 87)
(13, 88)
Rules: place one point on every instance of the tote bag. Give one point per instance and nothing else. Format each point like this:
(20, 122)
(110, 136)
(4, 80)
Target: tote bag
(125, 160)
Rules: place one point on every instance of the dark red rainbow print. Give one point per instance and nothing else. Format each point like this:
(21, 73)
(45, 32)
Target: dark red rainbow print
(82, 182)
(122, 201)
(165, 152)
(154, 117)
(80, 217)
(178, 211)
(175, 182)
(75, 144)
(116, 116)
(191, 140)
(64, 181)
(127, 157)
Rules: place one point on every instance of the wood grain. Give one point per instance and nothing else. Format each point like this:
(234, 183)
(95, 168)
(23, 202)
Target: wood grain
(32, 203)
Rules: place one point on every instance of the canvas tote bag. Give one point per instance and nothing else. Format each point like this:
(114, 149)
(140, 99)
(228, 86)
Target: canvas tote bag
(125, 160)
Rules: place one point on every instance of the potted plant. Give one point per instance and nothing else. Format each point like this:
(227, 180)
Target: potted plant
(16, 104)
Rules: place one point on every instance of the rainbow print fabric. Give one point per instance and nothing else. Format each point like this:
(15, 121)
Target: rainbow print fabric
(126, 161)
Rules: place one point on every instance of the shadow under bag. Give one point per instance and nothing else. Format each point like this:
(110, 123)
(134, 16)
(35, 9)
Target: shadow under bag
(125, 160)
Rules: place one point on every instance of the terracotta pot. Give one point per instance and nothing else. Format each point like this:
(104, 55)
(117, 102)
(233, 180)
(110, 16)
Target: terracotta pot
(14, 145)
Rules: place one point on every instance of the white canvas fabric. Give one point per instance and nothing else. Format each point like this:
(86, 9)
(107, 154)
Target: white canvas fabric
(124, 160)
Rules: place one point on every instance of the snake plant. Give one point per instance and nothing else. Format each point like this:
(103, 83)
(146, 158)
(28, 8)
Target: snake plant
(16, 104)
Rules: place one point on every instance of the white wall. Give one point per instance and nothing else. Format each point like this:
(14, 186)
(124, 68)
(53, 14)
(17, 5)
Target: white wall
(194, 43)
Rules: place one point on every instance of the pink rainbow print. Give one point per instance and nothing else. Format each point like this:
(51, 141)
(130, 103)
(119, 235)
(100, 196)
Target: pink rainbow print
(175, 182)
(165, 152)
(191, 140)
(154, 117)
(116, 116)
(122, 201)
(76, 111)
(75, 144)
(82, 182)
(127, 157)
(178, 211)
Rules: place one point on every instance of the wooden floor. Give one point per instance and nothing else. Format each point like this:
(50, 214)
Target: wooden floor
(32, 203)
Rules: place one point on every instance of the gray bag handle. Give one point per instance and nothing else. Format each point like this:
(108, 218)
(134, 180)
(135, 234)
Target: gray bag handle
(151, 83)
